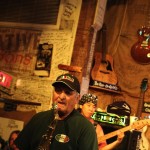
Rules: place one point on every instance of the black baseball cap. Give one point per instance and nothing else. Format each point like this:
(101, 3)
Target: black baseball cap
(69, 80)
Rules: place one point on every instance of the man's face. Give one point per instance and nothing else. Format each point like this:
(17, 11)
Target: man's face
(65, 98)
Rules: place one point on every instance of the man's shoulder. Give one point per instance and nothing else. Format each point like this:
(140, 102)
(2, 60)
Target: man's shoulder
(80, 119)
(44, 112)
(76, 114)
(42, 115)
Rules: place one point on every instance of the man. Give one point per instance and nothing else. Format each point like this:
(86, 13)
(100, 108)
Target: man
(62, 128)
(88, 105)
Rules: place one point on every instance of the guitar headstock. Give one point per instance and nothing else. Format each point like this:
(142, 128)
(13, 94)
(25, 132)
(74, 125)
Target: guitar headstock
(144, 84)
(140, 124)
(99, 14)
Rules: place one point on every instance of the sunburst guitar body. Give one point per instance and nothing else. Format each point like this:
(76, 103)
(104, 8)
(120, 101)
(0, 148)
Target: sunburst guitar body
(103, 69)
(140, 51)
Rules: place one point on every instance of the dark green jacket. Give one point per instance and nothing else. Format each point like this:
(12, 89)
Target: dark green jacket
(79, 131)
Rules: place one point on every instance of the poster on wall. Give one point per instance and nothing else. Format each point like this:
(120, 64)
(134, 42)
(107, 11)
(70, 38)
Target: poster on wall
(18, 48)
(43, 62)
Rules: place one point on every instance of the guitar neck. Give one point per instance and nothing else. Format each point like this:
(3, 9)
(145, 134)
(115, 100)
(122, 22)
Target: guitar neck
(97, 24)
(140, 105)
(104, 46)
(141, 99)
(114, 133)
(137, 125)
(90, 55)
(86, 75)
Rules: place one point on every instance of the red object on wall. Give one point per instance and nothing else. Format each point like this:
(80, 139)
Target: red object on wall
(5, 79)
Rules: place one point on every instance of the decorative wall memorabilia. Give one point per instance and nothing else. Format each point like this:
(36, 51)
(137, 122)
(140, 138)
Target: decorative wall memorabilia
(44, 56)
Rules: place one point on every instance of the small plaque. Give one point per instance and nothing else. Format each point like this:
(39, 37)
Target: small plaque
(110, 118)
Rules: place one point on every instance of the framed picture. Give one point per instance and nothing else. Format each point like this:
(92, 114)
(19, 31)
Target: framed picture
(43, 62)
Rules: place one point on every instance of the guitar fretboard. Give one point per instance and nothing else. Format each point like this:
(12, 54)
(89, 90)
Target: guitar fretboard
(114, 133)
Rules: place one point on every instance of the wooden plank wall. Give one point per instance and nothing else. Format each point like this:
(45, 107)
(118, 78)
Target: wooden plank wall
(82, 45)
(81, 51)
(83, 36)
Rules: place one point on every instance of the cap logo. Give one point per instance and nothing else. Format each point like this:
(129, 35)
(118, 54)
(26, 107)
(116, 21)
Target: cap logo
(66, 78)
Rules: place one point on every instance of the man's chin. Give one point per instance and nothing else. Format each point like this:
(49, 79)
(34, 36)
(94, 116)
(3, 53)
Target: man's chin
(61, 113)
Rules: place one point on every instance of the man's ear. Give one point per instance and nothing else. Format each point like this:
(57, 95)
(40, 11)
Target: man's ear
(77, 98)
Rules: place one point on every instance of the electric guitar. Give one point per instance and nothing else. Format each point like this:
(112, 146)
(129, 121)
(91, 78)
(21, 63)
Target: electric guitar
(103, 68)
(136, 125)
(141, 98)
(140, 51)
(143, 142)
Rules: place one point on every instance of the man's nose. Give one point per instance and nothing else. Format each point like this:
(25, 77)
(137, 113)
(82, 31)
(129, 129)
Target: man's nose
(62, 95)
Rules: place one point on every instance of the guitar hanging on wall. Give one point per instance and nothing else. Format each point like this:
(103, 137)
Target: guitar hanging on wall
(143, 142)
(103, 68)
(141, 99)
(140, 51)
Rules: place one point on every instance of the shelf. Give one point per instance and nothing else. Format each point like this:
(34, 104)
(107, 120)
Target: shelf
(105, 89)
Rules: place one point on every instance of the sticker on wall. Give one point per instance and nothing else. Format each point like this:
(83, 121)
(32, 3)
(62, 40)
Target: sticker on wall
(7, 83)
(43, 62)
